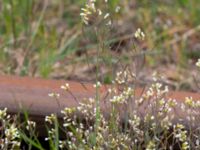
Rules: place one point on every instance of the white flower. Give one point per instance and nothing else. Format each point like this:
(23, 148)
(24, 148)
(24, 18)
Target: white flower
(139, 34)
(117, 9)
(106, 16)
(54, 95)
(198, 63)
(189, 101)
(65, 87)
(30, 124)
(97, 85)
(50, 119)
(109, 23)
(88, 10)
(12, 132)
(3, 113)
(99, 12)
(185, 146)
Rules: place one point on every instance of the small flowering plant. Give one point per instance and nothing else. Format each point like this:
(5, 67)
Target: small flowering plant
(149, 121)
(10, 135)
(146, 122)
(92, 14)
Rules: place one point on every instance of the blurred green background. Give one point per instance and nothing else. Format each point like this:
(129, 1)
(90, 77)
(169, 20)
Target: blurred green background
(47, 39)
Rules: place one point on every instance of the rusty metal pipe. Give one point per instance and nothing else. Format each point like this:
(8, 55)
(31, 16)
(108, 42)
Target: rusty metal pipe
(31, 94)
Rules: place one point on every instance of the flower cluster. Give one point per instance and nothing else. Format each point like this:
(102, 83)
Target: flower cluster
(12, 132)
(65, 87)
(123, 97)
(8, 128)
(88, 10)
(90, 14)
(50, 119)
(181, 134)
(139, 34)
(125, 77)
(30, 125)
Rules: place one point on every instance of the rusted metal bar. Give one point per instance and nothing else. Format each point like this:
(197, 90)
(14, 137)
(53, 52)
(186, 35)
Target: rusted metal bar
(31, 94)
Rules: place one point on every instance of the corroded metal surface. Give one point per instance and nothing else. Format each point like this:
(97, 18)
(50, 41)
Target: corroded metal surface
(31, 94)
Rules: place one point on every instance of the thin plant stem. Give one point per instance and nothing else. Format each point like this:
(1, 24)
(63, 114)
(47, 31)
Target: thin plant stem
(97, 88)
(13, 23)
